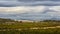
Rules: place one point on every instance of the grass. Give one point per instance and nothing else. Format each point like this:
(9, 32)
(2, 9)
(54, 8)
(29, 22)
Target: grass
(28, 25)
(25, 28)
(42, 31)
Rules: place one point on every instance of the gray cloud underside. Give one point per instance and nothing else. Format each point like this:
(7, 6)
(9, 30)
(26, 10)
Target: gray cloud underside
(29, 0)
(27, 16)
(35, 3)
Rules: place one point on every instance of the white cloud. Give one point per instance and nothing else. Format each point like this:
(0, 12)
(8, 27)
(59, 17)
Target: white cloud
(22, 9)
(55, 8)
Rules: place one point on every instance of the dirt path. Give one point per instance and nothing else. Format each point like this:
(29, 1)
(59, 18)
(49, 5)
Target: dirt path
(46, 27)
(33, 28)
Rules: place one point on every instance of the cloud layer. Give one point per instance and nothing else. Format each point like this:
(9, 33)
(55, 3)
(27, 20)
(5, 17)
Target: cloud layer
(29, 0)
(33, 3)
(22, 9)
(31, 12)
(30, 9)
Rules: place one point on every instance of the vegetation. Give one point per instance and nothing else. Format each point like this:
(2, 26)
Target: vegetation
(8, 26)
(41, 31)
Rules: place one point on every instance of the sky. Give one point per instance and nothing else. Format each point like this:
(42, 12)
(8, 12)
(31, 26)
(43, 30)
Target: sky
(30, 9)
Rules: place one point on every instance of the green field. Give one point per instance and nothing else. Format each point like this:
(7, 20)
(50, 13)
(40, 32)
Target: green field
(40, 27)
(28, 31)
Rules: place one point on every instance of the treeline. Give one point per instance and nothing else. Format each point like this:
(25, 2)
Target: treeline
(10, 20)
(2, 20)
(51, 20)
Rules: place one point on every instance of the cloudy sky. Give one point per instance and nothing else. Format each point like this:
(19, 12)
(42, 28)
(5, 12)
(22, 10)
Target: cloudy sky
(30, 9)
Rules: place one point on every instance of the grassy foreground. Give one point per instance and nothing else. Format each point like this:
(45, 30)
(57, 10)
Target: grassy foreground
(28, 31)
(29, 28)
(41, 27)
